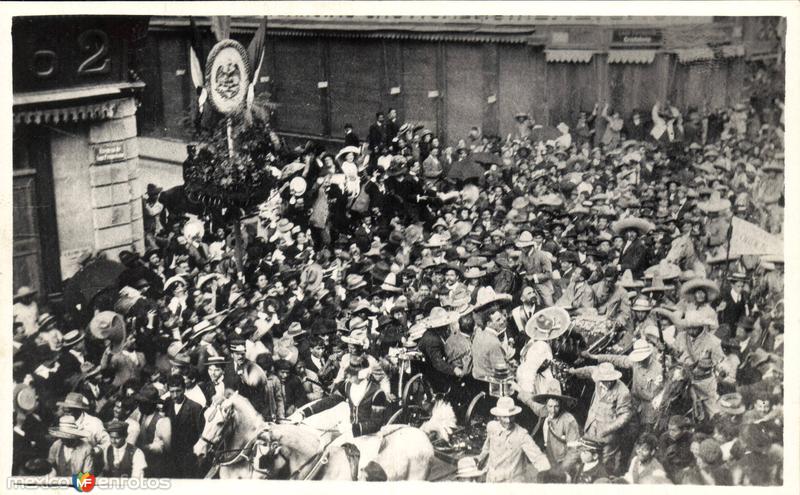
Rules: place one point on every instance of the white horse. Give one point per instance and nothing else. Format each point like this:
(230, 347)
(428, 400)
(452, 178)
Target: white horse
(306, 451)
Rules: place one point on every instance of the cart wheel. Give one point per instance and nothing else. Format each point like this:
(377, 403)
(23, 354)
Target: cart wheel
(396, 418)
(472, 415)
(417, 400)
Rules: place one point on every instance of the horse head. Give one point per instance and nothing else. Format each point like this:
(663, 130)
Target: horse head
(273, 458)
(220, 420)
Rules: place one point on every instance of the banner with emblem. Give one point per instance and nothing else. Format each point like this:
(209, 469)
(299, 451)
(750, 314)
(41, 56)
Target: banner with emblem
(750, 239)
(227, 77)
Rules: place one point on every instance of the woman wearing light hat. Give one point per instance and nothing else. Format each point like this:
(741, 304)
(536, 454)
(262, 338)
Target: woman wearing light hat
(648, 376)
(509, 452)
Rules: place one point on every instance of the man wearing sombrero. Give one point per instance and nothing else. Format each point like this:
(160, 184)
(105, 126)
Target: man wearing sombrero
(648, 376)
(70, 453)
(509, 452)
(610, 412)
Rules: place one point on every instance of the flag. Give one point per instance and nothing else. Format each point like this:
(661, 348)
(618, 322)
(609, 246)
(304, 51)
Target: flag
(221, 26)
(196, 66)
(255, 50)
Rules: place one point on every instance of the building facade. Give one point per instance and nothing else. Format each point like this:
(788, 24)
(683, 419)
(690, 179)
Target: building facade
(75, 146)
(450, 73)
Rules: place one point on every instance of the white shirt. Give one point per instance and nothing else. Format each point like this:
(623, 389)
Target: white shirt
(317, 362)
(357, 391)
(178, 407)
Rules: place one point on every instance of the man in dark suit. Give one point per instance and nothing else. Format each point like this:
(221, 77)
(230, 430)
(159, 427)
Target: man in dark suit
(377, 134)
(392, 127)
(634, 255)
(350, 137)
(246, 377)
(442, 374)
(187, 421)
(735, 302)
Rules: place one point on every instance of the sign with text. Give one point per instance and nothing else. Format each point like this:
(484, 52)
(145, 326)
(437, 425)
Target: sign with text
(750, 239)
(636, 37)
(108, 153)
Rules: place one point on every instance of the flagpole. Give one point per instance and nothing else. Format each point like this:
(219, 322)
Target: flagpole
(237, 227)
(727, 252)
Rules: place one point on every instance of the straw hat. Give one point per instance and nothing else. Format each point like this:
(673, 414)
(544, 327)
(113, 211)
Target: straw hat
(357, 337)
(732, 404)
(657, 286)
(474, 272)
(460, 230)
(436, 241)
(642, 303)
(627, 281)
(505, 407)
(639, 224)
(665, 270)
(390, 284)
(711, 288)
(524, 240)
(714, 204)
(440, 317)
(354, 281)
(24, 292)
(694, 319)
(487, 296)
(641, 351)
(67, 429)
(25, 398)
(468, 468)
(73, 338)
(605, 372)
(548, 323)
(294, 330)
(458, 299)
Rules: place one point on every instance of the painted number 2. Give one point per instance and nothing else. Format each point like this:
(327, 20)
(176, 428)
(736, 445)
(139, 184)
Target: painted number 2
(95, 42)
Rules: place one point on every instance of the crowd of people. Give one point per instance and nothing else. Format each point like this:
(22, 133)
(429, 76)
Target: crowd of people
(482, 255)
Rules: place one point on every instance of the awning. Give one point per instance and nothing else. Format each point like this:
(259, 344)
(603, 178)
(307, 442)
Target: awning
(731, 51)
(569, 56)
(79, 113)
(688, 55)
(78, 93)
(631, 56)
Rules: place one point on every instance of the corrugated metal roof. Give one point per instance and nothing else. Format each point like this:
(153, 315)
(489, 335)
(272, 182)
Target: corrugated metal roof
(688, 55)
(631, 56)
(569, 56)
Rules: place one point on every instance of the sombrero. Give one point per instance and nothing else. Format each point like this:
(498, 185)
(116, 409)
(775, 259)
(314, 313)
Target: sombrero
(440, 317)
(548, 323)
(714, 204)
(711, 287)
(639, 224)
(487, 296)
(665, 270)
(67, 429)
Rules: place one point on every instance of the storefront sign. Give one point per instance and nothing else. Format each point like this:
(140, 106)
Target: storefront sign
(227, 76)
(107, 153)
(636, 37)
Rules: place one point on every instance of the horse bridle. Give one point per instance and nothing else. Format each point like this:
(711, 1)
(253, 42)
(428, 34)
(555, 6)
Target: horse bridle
(214, 444)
